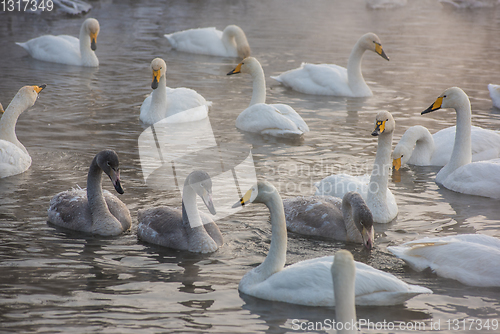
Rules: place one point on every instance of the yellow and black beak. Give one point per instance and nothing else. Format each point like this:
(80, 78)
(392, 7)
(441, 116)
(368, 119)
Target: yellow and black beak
(379, 128)
(396, 163)
(156, 79)
(435, 106)
(93, 37)
(38, 89)
(236, 70)
(244, 200)
(380, 50)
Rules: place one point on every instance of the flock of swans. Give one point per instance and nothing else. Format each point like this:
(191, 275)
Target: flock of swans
(345, 207)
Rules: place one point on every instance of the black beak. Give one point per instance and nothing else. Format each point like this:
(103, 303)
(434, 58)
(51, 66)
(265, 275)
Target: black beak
(428, 110)
(154, 84)
(118, 187)
(93, 45)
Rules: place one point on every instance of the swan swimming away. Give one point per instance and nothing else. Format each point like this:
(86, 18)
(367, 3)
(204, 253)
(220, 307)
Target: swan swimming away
(495, 94)
(65, 49)
(14, 157)
(330, 79)
(373, 188)
(232, 42)
(346, 219)
(91, 210)
(278, 120)
(343, 276)
(418, 147)
(179, 105)
(460, 174)
(468, 258)
(187, 229)
(310, 282)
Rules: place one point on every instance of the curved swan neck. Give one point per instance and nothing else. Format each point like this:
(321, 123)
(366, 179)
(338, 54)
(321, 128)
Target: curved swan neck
(9, 120)
(423, 141)
(98, 207)
(259, 86)
(349, 215)
(354, 76)
(89, 57)
(276, 257)
(379, 178)
(190, 214)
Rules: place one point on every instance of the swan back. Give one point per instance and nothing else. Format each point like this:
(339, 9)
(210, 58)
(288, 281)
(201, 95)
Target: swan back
(343, 276)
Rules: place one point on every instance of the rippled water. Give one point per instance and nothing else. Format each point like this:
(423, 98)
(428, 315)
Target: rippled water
(58, 281)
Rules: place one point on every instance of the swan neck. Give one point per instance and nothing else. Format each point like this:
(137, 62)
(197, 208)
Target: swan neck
(349, 217)
(259, 87)
(97, 204)
(276, 258)
(190, 214)
(9, 120)
(354, 75)
(344, 291)
(228, 39)
(89, 57)
(462, 149)
(379, 179)
(423, 141)
(159, 100)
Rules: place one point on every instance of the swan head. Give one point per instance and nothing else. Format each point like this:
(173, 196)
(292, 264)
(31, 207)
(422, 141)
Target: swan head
(384, 123)
(453, 97)
(362, 217)
(401, 155)
(92, 28)
(371, 42)
(201, 183)
(107, 160)
(248, 65)
(158, 68)
(262, 192)
(27, 95)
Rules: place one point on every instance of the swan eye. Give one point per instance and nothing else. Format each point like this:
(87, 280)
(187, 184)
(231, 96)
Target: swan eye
(444, 96)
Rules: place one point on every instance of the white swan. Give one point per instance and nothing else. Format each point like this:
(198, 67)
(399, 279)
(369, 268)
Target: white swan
(418, 147)
(372, 188)
(461, 174)
(346, 219)
(310, 282)
(178, 104)
(329, 79)
(495, 94)
(66, 49)
(232, 42)
(14, 158)
(90, 210)
(471, 259)
(279, 120)
(343, 276)
(187, 229)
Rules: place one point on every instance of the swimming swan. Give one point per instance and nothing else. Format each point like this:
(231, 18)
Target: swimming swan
(178, 104)
(14, 158)
(330, 79)
(186, 229)
(279, 120)
(91, 210)
(461, 174)
(66, 49)
(373, 189)
(495, 94)
(310, 282)
(343, 276)
(468, 258)
(418, 147)
(232, 42)
(347, 219)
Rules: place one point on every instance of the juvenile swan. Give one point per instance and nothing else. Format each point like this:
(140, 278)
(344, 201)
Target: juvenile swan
(279, 120)
(461, 174)
(468, 258)
(14, 158)
(232, 42)
(186, 229)
(418, 147)
(343, 275)
(310, 282)
(66, 49)
(374, 189)
(347, 219)
(330, 79)
(91, 211)
(178, 104)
